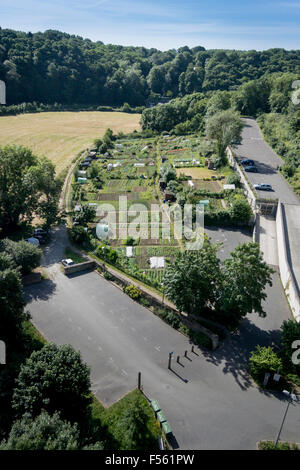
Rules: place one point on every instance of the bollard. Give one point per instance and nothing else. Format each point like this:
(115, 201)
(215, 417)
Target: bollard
(178, 357)
(185, 353)
(170, 360)
(192, 349)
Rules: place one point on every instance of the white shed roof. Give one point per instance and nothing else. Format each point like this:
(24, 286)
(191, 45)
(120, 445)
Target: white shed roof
(157, 262)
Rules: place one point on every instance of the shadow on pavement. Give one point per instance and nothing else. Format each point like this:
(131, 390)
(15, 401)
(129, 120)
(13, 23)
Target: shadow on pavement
(265, 169)
(234, 352)
(42, 291)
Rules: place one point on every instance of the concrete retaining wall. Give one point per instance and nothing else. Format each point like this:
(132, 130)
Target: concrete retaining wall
(75, 268)
(286, 271)
(32, 278)
(250, 195)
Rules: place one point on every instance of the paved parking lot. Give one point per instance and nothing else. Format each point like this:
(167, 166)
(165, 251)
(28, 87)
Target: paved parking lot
(209, 399)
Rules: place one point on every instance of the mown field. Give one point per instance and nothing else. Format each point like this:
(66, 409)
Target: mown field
(61, 135)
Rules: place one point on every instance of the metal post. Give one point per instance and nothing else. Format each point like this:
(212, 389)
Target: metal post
(140, 381)
(185, 353)
(192, 349)
(178, 357)
(284, 416)
(170, 360)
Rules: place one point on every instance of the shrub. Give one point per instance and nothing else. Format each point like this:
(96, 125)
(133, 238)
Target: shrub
(21, 254)
(263, 360)
(233, 179)
(201, 339)
(133, 292)
(270, 445)
(240, 211)
(78, 235)
(108, 276)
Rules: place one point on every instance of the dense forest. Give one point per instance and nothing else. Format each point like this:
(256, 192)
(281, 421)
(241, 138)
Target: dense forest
(55, 67)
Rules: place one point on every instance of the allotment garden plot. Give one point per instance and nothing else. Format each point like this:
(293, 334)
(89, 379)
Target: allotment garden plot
(134, 185)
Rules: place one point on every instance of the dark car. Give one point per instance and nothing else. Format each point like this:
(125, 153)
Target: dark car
(251, 168)
(39, 232)
(247, 162)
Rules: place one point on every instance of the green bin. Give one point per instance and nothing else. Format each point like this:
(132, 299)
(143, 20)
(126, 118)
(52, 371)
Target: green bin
(155, 405)
(166, 428)
(161, 417)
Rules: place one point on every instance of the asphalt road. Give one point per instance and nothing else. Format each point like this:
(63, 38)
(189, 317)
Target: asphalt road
(209, 400)
(255, 148)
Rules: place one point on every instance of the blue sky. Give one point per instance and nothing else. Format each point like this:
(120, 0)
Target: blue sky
(164, 24)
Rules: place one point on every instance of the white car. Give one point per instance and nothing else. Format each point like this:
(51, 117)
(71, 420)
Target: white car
(67, 262)
(263, 187)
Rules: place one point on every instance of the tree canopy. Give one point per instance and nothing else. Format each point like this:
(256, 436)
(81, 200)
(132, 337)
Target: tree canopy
(28, 186)
(55, 67)
(54, 379)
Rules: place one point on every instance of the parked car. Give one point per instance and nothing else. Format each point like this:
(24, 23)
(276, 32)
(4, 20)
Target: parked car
(263, 187)
(39, 232)
(251, 168)
(33, 241)
(247, 162)
(67, 262)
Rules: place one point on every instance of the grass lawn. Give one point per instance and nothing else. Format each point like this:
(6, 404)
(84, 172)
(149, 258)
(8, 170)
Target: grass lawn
(74, 256)
(60, 136)
(108, 417)
(196, 173)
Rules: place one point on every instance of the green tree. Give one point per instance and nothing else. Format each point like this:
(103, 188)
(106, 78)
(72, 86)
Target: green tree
(191, 281)
(54, 379)
(12, 303)
(25, 181)
(245, 276)
(167, 173)
(224, 128)
(263, 360)
(45, 432)
(22, 254)
(78, 235)
(86, 215)
(240, 211)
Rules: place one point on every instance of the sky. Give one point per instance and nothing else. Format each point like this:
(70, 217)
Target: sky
(163, 24)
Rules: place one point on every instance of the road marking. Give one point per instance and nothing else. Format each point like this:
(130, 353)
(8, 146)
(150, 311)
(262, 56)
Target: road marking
(79, 328)
(157, 348)
(132, 328)
(124, 372)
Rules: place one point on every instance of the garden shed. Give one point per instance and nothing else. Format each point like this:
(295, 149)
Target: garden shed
(157, 262)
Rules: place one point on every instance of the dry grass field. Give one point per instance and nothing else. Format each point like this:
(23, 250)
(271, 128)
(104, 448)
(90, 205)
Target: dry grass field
(61, 135)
